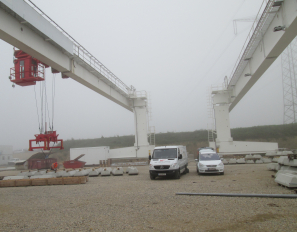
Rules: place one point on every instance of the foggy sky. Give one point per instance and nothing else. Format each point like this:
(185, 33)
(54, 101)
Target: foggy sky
(175, 50)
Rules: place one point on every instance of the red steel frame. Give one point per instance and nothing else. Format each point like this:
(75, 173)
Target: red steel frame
(46, 138)
(27, 70)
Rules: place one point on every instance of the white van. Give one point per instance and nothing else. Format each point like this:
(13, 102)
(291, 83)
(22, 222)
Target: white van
(209, 162)
(168, 161)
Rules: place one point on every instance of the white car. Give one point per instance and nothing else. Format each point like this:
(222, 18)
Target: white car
(209, 162)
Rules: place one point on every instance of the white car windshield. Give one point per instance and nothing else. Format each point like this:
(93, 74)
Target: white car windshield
(213, 156)
(169, 153)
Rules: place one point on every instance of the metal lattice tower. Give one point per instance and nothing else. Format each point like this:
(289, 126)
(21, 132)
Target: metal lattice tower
(289, 75)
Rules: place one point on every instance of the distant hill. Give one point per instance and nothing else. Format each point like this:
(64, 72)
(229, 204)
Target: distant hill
(284, 135)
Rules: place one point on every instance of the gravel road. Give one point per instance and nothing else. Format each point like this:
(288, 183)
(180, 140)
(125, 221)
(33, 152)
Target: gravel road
(136, 203)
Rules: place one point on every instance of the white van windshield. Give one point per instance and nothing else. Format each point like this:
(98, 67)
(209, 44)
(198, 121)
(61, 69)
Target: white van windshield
(212, 156)
(169, 153)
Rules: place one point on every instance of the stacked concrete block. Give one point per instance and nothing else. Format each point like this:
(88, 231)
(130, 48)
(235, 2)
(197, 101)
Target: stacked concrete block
(257, 157)
(286, 171)
(133, 171)
(250, 156)
(266, 160)
(105, 172)
(287, 179)
(232, 161)
(284, 160)
(293, 163)
(258, 161)
(240, 161)
(271, 153)
(117, 171)
(250, 162)
(288, 168)
(275, 160)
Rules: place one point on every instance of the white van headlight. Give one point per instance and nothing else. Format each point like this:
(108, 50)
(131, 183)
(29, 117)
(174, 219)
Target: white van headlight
(152, 166)
(174, 166)
(221, 164)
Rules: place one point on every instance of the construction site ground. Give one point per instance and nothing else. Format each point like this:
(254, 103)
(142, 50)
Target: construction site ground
(136, 203)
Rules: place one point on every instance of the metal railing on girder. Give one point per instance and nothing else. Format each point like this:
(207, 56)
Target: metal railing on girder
(84, 54)
(253, 39)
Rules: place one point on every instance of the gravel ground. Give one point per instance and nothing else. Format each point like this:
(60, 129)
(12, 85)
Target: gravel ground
(136, 203)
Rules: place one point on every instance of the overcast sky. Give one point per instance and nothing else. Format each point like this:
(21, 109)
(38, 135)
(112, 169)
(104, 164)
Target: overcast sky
(175, 50)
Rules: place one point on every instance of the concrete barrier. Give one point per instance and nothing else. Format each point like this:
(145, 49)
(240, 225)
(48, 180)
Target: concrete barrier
(232, 161)
(133, 171)
(266, 160)
(293, 163)
(259, 161)
(105, 172)
(287, 179)
(250, 162)
(117, 171)
(240, 161)
(94, 172)
(275, 159)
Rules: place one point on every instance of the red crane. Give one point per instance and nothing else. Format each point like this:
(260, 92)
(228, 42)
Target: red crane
(26, 71)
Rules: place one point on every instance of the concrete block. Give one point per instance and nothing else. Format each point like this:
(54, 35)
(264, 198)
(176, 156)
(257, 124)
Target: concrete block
(42, 176)
(250, 162)
(266, 160)
(94, 172)
(286, 171)
(288, 168)
(232, 161)
(105, 172)
(287, 179)
(283, 160)
(40, 172)
(117, 171)
(271, 153)
(70, 173)
(293, 163)
(225, 161)
(27, 173)
(240, 161)
(15, 177)
(99, 170)
(259, 161)
(275, 160)
(60, 173)
(133, 171)
(257, 156)
(128, 168)
(82, 172)
(249, 157)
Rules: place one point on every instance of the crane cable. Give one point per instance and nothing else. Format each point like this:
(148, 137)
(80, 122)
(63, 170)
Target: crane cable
(37, 109)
